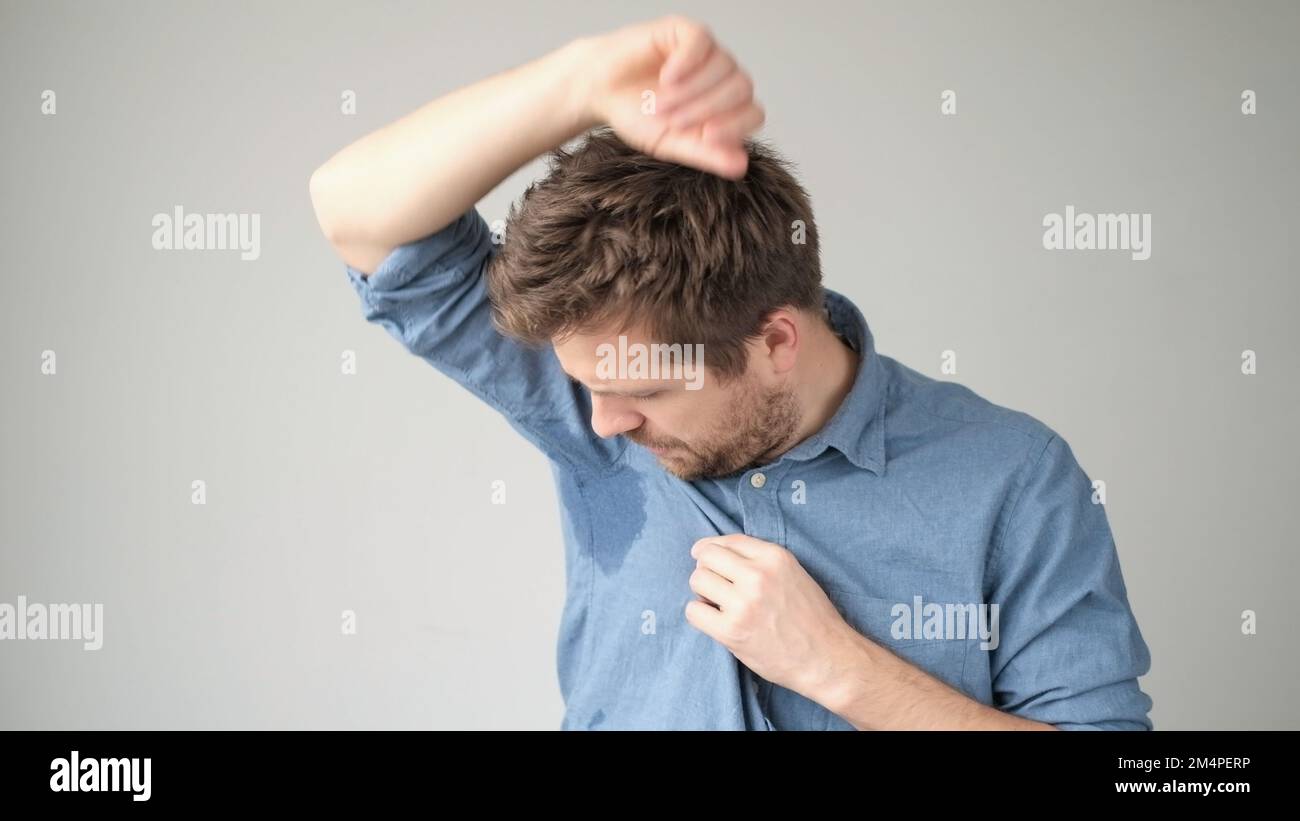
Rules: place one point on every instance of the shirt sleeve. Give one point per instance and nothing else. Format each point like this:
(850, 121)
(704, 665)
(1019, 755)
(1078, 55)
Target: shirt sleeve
(431, 296)
(1070, 651)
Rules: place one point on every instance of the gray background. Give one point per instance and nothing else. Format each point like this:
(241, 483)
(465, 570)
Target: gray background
(372, 492)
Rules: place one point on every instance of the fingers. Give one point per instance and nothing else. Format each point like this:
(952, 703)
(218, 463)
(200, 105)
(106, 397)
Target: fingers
(688, 147)
(747, 546)
(735, 125)
(687, 43)
(728, 163)
(704, 103)
(686, 88)
(706, 619)
(722, 560)
(736, 90)
(712, 587)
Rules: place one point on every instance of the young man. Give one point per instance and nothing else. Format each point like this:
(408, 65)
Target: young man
(804, 534)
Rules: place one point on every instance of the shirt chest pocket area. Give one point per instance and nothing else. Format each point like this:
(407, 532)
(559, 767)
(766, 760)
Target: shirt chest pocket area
(872, 617)
(876, 618)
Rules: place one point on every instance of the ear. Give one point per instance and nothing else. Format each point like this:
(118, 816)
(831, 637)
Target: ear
(782, 335)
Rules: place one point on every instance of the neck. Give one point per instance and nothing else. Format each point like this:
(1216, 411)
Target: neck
(831, 367)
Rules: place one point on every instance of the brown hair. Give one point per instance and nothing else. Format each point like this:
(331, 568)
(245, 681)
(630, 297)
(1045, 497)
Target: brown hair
(613, 235)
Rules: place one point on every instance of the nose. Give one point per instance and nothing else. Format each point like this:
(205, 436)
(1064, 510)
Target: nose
(610, 418)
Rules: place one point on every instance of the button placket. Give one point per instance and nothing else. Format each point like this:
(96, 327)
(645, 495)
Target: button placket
(762, 518)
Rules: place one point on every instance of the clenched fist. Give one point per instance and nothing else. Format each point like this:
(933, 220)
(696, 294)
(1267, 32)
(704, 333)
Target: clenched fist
(758, 601)
(669, 90)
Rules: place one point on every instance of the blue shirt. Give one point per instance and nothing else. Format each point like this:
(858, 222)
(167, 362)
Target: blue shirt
(916, 487)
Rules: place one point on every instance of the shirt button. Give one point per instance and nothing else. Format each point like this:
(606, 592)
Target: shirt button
(758, 480)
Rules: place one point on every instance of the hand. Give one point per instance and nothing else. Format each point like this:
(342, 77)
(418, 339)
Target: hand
(759, 602)
(700, 104)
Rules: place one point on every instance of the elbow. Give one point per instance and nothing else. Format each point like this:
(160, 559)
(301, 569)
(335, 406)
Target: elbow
(320, 188)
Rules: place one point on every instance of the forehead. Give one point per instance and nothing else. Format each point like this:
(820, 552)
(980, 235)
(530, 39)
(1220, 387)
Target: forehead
(581, 355)
(585, 347)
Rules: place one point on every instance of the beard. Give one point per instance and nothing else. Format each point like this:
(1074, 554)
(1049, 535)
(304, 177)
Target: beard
(757, 430)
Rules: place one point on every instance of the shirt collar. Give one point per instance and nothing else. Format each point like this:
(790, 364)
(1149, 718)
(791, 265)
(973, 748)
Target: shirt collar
(857, 429)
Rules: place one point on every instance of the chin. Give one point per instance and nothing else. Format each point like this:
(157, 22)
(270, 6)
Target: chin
(676, 468)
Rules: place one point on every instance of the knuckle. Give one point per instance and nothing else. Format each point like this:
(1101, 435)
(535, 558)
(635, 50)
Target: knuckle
(734, 633)
(690, 24)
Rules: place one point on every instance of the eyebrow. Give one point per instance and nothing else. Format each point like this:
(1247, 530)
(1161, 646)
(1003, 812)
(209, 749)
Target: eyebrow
(603, 392)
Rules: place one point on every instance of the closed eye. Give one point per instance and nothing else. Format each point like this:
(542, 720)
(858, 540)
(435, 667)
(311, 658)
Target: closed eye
(634, 397)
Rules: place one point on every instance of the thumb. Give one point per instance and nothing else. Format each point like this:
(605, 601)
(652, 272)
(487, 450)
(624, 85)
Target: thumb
(728, 160)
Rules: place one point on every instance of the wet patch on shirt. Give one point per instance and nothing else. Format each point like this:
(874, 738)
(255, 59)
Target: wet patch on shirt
(618, 502)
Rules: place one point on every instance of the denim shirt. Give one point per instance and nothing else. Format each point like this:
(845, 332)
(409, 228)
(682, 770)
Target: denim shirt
(918, 494)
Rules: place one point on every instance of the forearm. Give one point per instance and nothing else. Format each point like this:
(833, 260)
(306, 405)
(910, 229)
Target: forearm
(414, 176)
(873, 689)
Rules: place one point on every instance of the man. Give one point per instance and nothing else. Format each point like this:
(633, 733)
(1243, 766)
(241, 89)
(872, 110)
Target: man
(811, 535)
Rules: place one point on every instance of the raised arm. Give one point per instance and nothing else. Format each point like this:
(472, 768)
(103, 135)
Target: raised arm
(416, 175)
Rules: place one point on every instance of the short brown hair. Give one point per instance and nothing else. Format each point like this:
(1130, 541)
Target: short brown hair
(613, 235)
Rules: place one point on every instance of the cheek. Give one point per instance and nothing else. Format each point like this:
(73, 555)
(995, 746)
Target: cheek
(689, 421)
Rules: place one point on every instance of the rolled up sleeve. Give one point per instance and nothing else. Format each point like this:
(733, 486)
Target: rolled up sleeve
(1070, 650)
